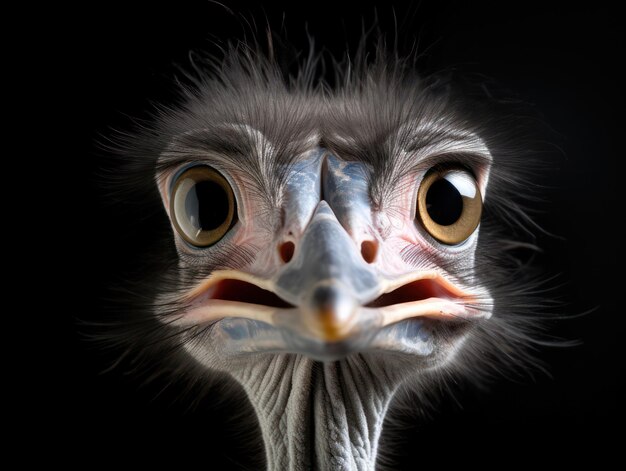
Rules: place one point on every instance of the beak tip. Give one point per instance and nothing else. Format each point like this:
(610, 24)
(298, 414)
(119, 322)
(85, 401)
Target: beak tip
(333, 325)
(330, 312)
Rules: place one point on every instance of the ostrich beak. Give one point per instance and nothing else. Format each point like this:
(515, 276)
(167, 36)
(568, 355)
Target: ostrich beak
(327, 279)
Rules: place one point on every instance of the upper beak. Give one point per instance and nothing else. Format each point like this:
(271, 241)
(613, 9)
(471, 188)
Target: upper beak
(327, 278)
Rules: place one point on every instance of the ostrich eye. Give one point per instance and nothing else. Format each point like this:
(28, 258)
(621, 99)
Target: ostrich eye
(449, 205)
(202, 206)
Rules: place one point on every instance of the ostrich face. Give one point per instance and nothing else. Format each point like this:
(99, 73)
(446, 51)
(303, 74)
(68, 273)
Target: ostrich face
(328, 246)
(292, 239)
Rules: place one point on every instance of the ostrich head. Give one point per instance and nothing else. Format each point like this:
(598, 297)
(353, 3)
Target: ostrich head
(329, 245)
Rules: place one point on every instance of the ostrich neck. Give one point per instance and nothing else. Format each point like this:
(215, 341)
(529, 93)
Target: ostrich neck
(318, 415)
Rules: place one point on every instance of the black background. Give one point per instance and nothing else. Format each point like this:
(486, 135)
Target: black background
(115, 59)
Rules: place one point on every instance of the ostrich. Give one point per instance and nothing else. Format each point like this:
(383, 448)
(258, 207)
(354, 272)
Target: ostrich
(333, 244)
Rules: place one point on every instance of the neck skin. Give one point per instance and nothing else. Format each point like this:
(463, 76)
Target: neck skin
(318, 415)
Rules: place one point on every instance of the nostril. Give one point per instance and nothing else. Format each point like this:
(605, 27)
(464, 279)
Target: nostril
(286, 250)
(369, 250)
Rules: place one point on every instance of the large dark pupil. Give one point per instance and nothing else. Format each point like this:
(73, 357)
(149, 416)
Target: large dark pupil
(444, 203)
(207, 205)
